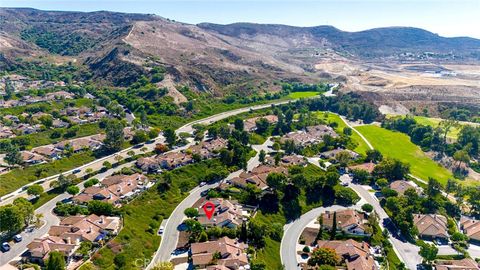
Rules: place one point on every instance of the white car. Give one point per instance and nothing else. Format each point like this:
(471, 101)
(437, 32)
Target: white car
(202, 184)
(160, 231)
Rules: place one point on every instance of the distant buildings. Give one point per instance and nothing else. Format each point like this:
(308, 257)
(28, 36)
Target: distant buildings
(312, 135)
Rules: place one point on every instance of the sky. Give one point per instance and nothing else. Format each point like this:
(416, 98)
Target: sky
(444, 17)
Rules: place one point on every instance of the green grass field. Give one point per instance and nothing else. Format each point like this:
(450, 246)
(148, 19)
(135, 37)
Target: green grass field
(434, 122)
(302, 94)
(361, 147)
(398, 145)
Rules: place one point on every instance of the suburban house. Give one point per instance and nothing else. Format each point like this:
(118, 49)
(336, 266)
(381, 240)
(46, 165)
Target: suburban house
(431, 226)
(31, 158)
(251, 123)
(208, 149)
(349, 221)
(355, 255)
(169, 160)
(368, 167)
(470, 228)
(257, 177)
(311, 135)
(66, 236)
(400, 186)
(332, 154)
(80, 144)
(6, 132)
(48, 151)
(463, 264)
(113, 189)
(232, 254)
(288, 160)
(227, 214)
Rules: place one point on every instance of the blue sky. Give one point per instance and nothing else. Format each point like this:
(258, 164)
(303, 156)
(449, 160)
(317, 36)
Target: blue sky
(445, 17)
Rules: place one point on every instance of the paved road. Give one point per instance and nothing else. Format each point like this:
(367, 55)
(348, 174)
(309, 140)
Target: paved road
(97, 164)
(171, 234)
(292, 232)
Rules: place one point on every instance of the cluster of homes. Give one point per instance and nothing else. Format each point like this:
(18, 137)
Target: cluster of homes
(114, 189)
(171, 160)
(21, 83)
(25, 100)
(67, 236)
(353, 255)
(55, 151)
(311, 135)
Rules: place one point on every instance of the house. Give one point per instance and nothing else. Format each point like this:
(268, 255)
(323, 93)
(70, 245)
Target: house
(431, 226)
(31, 158)
(48, 151)
(288, 160)
(59, 95)
(59, 123)
(6, 132)
(80, 144)
(227, 214)
(208, 149)
(470, 228)
(400, 186)
(332, 154)
(464, 264)
(348, 221)
(368, 167)
(148, 164)
(251, 123)
(172, 160)
(232, 254)
(311, 135)
(40, 248)
(257, 177)
(28, 129)
(354, 254)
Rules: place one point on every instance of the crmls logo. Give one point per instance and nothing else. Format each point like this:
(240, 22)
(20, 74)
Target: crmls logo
(142, 263)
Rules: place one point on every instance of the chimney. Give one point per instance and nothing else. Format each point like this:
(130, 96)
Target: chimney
(102, 219)
(69, 241)
(89, 229)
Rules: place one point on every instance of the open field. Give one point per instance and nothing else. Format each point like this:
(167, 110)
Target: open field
(361, 147)
(398, 145)
(434, 122)
(302, 94)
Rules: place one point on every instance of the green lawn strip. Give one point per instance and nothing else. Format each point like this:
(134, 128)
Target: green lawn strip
(19, 177)
(45, 137)
(361, 146)
(143, 216)
(303, 94)
(398, 145)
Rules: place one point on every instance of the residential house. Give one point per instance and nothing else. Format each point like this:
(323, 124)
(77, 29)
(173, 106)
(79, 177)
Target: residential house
(368, 167)
(208, 149)
(431, 226)
(311, 135)
(227, 214)
(332, 154)
(257, 177)
(172, 160)
(288, 160)
(6, 132)
(31, 158)
(80, 144)
(231, 252)
(59, 95)
(400, 186)
(48, 151)
(355, 255)
(471, 228)
(40, 248)
(349, 221)
(463, 264)
(251, 123)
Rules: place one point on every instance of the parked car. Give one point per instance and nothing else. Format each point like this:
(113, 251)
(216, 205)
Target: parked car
(5, 247)
(160, 231)
(17, 238)
(203, 184)
(76, 171)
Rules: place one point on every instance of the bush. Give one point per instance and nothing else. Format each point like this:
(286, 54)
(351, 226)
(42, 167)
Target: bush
(367, 207)
(72, 190)
(306, 249)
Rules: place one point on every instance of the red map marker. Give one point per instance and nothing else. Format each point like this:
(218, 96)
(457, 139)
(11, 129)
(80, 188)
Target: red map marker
(209, 209)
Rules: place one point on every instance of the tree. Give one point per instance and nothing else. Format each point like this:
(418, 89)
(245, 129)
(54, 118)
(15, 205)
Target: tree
(13, 156)
(276, 180)
(434, 188)
(140, 136)
(203, 237)
(170, 136)
(72, 190)
(238, 124)
(56, 261)
(191, 212)
(35, 190)
(101, 208)
(261, 156)
(343, 158)
(262, 125)
(373, 155)
(428, 252)
(114, 136)
(347, 131)
(9, 89)
(346, 196)
(333, 232)
(461, 156)
(367, 207)
(391, 169)
(324, 256)
(12, 219)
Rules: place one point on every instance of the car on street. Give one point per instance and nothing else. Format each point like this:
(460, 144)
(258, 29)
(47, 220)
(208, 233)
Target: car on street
(5, 247)
(160, 231)
(204, 193)
(203, 184)
(17, 238)
(76, 171)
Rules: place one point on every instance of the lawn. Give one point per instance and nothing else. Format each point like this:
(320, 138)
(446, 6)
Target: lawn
(434, 122)
(302, 94)
(398, 145)
(16, 178)
(138, 239)
(361, 147)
